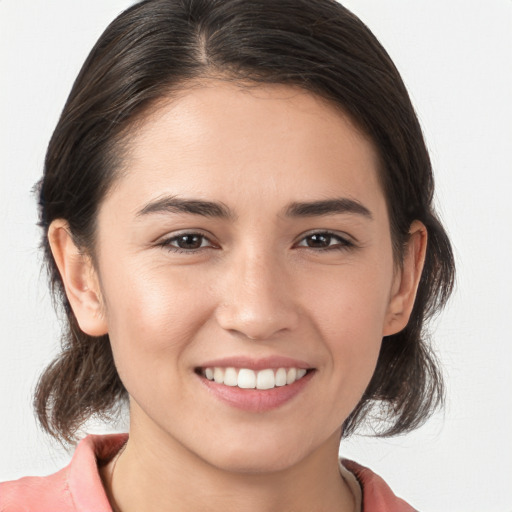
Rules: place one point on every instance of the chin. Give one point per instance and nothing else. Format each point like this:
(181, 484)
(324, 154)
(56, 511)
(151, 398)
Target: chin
(254, 464)
(253, 457)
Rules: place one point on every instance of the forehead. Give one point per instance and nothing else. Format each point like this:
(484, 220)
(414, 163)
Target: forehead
(257, 142)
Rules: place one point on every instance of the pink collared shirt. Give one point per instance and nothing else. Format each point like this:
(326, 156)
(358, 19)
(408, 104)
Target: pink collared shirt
(78, 487)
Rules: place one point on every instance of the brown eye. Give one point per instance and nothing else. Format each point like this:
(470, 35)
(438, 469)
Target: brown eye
(325, 240)
(319, 240)
(189, 241)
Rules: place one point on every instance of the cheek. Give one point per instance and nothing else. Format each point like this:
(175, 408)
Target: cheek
(152, 315)
(352, 302)
(349, 309)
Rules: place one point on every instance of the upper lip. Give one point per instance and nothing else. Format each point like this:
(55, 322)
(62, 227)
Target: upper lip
(252, 363)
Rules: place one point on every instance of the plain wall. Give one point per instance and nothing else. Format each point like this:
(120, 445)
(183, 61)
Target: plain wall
(456, 59)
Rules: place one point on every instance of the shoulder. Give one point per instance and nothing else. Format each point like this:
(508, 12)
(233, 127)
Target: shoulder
(36, 493)
(76, 488)
(377, 496)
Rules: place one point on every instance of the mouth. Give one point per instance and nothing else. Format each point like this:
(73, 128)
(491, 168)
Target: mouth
(246, 378)
(256, 385)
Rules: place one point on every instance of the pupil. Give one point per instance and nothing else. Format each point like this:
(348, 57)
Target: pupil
(319, 240)
(189, 242)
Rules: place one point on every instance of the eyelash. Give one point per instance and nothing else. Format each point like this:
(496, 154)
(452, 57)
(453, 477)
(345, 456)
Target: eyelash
(343, 244)
(167, 243)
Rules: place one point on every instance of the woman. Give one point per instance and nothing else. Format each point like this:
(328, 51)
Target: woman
(237, 209)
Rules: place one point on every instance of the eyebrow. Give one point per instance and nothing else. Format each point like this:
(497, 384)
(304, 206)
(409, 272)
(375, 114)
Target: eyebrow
(173, 204)
(328, 207)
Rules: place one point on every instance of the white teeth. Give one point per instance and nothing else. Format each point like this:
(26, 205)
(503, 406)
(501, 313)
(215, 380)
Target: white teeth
(230, 377)
(246, 379)
(249, 379)
(265, 379)
(218, 375)
(300, 373)
(281, 377)
(291, 375)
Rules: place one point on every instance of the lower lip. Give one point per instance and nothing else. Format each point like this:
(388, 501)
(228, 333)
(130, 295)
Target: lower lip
(257, 400)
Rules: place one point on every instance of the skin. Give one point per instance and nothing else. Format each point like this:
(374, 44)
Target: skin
(255, 288)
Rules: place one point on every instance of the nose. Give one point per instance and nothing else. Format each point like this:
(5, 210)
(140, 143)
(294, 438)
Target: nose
(257, 297)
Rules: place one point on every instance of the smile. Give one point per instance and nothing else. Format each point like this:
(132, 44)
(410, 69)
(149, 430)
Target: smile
(245, 378)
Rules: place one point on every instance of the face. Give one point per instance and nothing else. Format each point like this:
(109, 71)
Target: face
(245, 274)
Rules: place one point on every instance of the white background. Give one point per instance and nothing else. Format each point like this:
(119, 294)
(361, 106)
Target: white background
(456, 59)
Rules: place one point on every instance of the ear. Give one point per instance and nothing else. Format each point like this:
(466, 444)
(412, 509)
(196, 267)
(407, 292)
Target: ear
(80, 279)
(407, 279)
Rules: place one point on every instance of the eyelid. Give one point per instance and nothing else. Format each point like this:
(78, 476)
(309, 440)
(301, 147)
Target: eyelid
(185, 231)
(336, 234)
(166, 240)
(346, 241)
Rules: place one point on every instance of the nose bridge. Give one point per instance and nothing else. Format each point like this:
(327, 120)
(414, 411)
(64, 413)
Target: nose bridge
(257, 298)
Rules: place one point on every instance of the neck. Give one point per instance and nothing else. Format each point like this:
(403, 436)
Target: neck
(156, 473)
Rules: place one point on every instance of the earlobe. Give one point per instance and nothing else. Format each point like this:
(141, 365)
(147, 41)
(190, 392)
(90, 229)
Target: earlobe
(407, 280)
(80, 279)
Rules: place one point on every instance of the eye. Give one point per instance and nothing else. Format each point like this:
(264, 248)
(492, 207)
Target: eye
(325, 240)
(186, 242)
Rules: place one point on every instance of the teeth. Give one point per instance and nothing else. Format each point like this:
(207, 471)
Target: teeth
(249, 379)
(230, 377)
(300, 373)
(218, 375)
(291, 375)
(246, 379)
(281, 377)
(265, 379)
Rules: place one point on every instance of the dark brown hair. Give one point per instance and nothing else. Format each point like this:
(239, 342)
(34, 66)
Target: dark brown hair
(160, 46)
